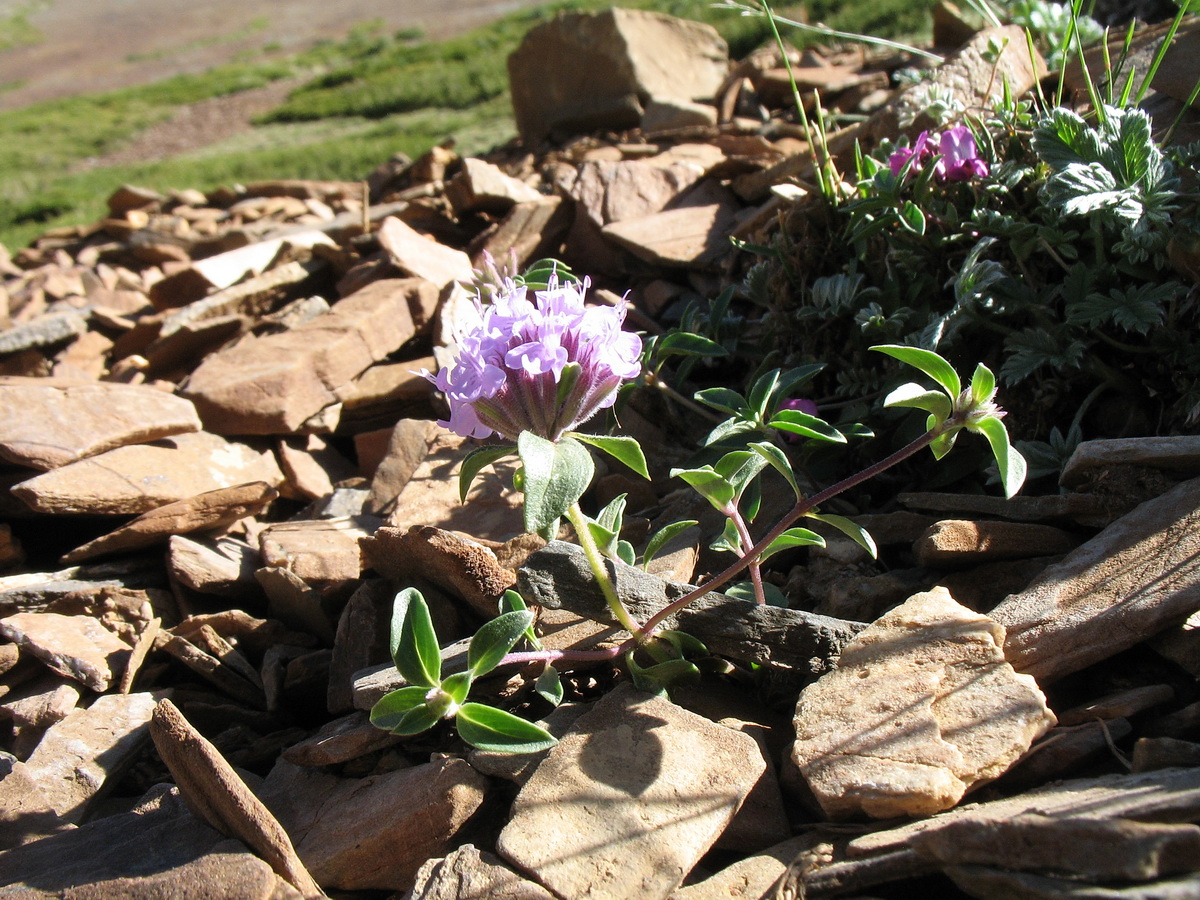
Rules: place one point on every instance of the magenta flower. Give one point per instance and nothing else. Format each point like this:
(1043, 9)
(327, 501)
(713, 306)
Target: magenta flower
(956, 152)
(960, 157)
(544, 366)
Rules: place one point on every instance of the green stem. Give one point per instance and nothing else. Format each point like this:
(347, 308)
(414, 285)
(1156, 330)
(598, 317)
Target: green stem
(600, 570)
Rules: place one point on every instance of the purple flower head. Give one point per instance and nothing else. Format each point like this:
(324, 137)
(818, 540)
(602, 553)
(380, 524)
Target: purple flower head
(921, 149)
(960, 157)
(545, 366)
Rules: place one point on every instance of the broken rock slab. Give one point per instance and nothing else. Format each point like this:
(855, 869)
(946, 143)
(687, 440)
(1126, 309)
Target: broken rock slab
(1137, 577)
(49, 422)
(373, 833)
(629, 800)
(580, 72)
(208, 511)
(135, 479)
(921, 707)
(468, 874)
(275, 383)
(78, 647)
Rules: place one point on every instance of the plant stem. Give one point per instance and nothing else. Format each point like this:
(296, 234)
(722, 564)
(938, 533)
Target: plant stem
(599, 566)
(804, 505)
(743, 531)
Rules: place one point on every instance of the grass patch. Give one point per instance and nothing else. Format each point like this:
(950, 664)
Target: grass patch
(17, 31)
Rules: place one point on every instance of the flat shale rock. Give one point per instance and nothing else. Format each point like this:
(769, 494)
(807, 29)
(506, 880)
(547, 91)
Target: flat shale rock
(467, 874)
(78, 647)
(49, 422)
(921, 707)
(692, 234)
(483, 187)
(136, 479)
(629, 800)
(423, 257)
(1134, 579)
(208, 511)
(157, 852)
(373, 833)
(580, 72)
(273, 384)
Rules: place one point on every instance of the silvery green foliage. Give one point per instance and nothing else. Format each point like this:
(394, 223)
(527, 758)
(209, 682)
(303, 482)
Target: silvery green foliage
(1050, 23)
(1113, 173)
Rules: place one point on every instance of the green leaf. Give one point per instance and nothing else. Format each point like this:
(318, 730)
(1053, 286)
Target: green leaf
(606, 540)
(796, 422)
(912, 218)
(623, 449)
(556, 475)
(793, 537)
(613, 515)
(943, 443)
(687, 344)
(729, 541)
(794, 378)
(626, 553)
(487, 728)
(414, 642)
(744, 590)
(740, 467)
(457, 686)
(495, 639)
(928, 362)
(476, 461)
(728, 429)
(722, 398)
(849, 528)
(656, 678)
(715, 488)
(761, 391)
(662, 536)
(511, 601)
(983, 385)
(685, 645)
(1008, 459)
(549, 686)
(778, 459)
(403, 711)
(913, 395)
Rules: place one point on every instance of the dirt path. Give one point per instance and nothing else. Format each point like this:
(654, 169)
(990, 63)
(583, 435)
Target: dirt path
(96, 45)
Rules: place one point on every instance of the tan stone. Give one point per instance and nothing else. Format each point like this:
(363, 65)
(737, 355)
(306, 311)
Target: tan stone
(580, 71)
(423, 257)
(467, 874)
(312, 466)
(921, 707)
(962, 542)
(465, 568)
(49, 422)
(373, 833)
(273, 384)
(208, 511)
(483, 187)
(692, 234)
(78, 647)
(406, 449)
(629, 800)
(136, 479)
(319, 551)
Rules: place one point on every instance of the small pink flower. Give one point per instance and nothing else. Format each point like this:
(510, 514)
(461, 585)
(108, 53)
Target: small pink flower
(920, 149)
(960, 156)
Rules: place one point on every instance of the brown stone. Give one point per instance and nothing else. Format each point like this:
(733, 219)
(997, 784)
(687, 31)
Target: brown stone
(407, 447)
(136, 479)
(312, 466)
(273, 384)
(468, 874)
(483, 187)
(423, 257)
(78, 647)
(49, 422)
(465, 568)
(692, 234)
(318, 551)
(208, 511)
(215, 793)
(952, 542)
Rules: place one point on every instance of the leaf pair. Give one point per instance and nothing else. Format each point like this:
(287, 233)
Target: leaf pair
(430, 697)
(953, 409)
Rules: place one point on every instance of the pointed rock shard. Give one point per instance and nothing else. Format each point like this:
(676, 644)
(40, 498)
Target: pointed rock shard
(921, 707)
(215, 793)
(138, 478)
(423, 257)
(49, 422)
(630, 799)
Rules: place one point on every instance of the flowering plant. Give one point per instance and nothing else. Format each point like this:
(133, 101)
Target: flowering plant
(533, 370)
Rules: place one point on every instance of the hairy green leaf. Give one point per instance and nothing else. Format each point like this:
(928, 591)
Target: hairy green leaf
(660, 538)
(494, 639)
(1008, 460)
(487, 728)
(476, 461)
(623, 449)
(556, 475)
(779, 461)
(796, 422)
(928, 362)
(415, 649)
(403, 711)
